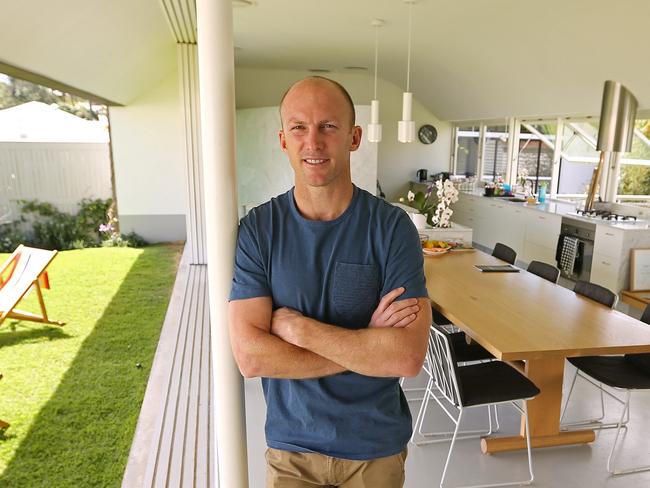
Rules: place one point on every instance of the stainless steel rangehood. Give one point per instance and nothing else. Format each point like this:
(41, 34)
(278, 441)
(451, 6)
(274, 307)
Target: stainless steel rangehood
(617, 115)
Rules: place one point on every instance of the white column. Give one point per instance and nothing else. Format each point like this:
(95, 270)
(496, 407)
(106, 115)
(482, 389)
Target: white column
(217, 90)
(513, 150)
(189, 86)
(557, 156)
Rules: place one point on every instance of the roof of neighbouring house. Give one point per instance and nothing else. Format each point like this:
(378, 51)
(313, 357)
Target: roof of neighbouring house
(40, 122)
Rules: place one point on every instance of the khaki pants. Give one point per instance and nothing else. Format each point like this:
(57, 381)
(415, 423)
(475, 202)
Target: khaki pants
(285, 469)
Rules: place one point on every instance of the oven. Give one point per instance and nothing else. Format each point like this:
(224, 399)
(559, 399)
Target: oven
(575, 249)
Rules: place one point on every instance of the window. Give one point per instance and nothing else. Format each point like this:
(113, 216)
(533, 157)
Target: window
(634, 181)
(495, 152)
(579, 157)
(535, 157)
(467, 143)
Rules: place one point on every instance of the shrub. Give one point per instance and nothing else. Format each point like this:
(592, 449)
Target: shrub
(10, 237)
(53, 229)
(124, 240)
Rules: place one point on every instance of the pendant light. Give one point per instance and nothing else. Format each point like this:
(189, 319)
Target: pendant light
(406, 126)
(374, 127)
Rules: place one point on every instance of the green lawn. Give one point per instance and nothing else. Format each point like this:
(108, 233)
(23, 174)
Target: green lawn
(72, 394)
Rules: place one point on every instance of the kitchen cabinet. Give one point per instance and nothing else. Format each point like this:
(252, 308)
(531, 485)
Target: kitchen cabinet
(457, 232)
(610, 265)
(531, 233)
(606, 271)
(541, 235)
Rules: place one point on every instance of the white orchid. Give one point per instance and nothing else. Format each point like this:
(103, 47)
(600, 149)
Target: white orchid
(410, 196)
(447, 194)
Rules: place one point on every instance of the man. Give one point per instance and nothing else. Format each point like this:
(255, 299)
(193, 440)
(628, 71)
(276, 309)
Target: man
(305, 309)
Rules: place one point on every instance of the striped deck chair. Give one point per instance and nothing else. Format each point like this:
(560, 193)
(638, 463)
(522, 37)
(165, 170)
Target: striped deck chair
(22, 272)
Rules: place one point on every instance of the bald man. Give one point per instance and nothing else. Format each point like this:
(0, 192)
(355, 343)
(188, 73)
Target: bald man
(329, 306)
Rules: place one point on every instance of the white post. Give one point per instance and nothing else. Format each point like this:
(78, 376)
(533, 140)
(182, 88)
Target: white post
(217, 95)
(557, 156)
(612, 177)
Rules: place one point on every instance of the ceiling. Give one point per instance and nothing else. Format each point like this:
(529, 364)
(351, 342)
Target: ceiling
(114, 49)
(471, 59)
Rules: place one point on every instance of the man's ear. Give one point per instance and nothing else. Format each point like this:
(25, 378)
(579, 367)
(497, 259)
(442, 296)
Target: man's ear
(283, 141)
(357, 135)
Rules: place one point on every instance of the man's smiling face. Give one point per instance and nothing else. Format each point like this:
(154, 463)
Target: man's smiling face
(318, 133)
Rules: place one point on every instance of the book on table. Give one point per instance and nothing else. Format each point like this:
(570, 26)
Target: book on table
(497, 268)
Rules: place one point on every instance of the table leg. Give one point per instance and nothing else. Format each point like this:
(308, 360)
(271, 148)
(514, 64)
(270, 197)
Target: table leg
(543, 412)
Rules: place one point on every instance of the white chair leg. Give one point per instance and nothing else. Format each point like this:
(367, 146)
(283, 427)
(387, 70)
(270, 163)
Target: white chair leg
(530, 458)
(596, 422)
(444, 436)
(417, 428)
(568, 397)
(523, 410)
(451, 447)
(612, 457)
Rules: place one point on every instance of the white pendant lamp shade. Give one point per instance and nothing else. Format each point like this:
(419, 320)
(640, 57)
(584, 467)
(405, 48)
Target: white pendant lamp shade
(374, 127)
(406, 126)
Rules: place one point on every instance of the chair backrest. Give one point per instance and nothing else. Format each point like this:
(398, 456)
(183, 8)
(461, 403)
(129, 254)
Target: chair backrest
(444, 367)
(596, 292)
(504, 253)
(28, 263)
(544, 270)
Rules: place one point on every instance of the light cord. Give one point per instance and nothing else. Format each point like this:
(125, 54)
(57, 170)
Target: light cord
(376, 56)
(408, 63)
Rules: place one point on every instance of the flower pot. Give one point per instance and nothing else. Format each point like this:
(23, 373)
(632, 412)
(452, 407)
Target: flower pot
(419, 220)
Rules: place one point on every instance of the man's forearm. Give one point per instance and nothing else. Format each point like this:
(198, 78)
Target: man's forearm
(371, 351)
(268, 356)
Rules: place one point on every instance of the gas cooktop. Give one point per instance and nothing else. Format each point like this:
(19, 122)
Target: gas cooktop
(607, 215)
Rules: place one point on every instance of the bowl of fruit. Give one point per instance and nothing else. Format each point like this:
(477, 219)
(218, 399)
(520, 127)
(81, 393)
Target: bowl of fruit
(435, 248)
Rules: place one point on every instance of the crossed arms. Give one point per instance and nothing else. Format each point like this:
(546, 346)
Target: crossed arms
(286, 344)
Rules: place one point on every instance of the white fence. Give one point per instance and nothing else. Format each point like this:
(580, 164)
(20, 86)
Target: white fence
(55, 172)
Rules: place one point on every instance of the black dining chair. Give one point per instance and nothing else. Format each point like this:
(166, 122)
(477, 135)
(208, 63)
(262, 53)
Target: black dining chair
(605, 297)
(504, 253)
(627, 373)
(465, 351)
(596, 292)
(544, 270)
(469, 386)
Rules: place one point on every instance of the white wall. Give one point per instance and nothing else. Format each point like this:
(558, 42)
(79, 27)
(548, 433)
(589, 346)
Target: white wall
(61, 173)
(397, 163)
(263, 170)
(147, 138)
(150, 175)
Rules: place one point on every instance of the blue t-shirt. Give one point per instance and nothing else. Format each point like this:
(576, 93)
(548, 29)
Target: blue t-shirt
(336, 272)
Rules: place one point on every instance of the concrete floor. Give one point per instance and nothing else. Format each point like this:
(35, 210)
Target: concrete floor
(575, 466)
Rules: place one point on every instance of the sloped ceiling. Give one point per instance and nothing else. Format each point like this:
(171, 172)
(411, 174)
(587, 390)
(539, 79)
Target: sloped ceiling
(471, 58)
(114, 49)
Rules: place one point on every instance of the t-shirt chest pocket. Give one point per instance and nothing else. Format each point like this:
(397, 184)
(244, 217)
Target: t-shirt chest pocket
(355, 293)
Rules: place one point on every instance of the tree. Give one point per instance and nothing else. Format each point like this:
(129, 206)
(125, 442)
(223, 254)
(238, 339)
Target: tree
(14, 91)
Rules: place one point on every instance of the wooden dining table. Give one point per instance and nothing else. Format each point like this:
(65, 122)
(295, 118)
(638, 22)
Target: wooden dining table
(526, 320)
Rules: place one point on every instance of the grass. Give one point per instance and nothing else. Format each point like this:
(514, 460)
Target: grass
(72, 394)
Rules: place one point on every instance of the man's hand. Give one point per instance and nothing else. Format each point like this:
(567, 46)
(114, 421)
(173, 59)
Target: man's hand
(395, 313)
(285, 323)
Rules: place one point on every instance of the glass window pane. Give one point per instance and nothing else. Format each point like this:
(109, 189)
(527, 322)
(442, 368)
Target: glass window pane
(579, 156)
(635, 166)
(467, 140)
(495, 152)
(535, 161)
